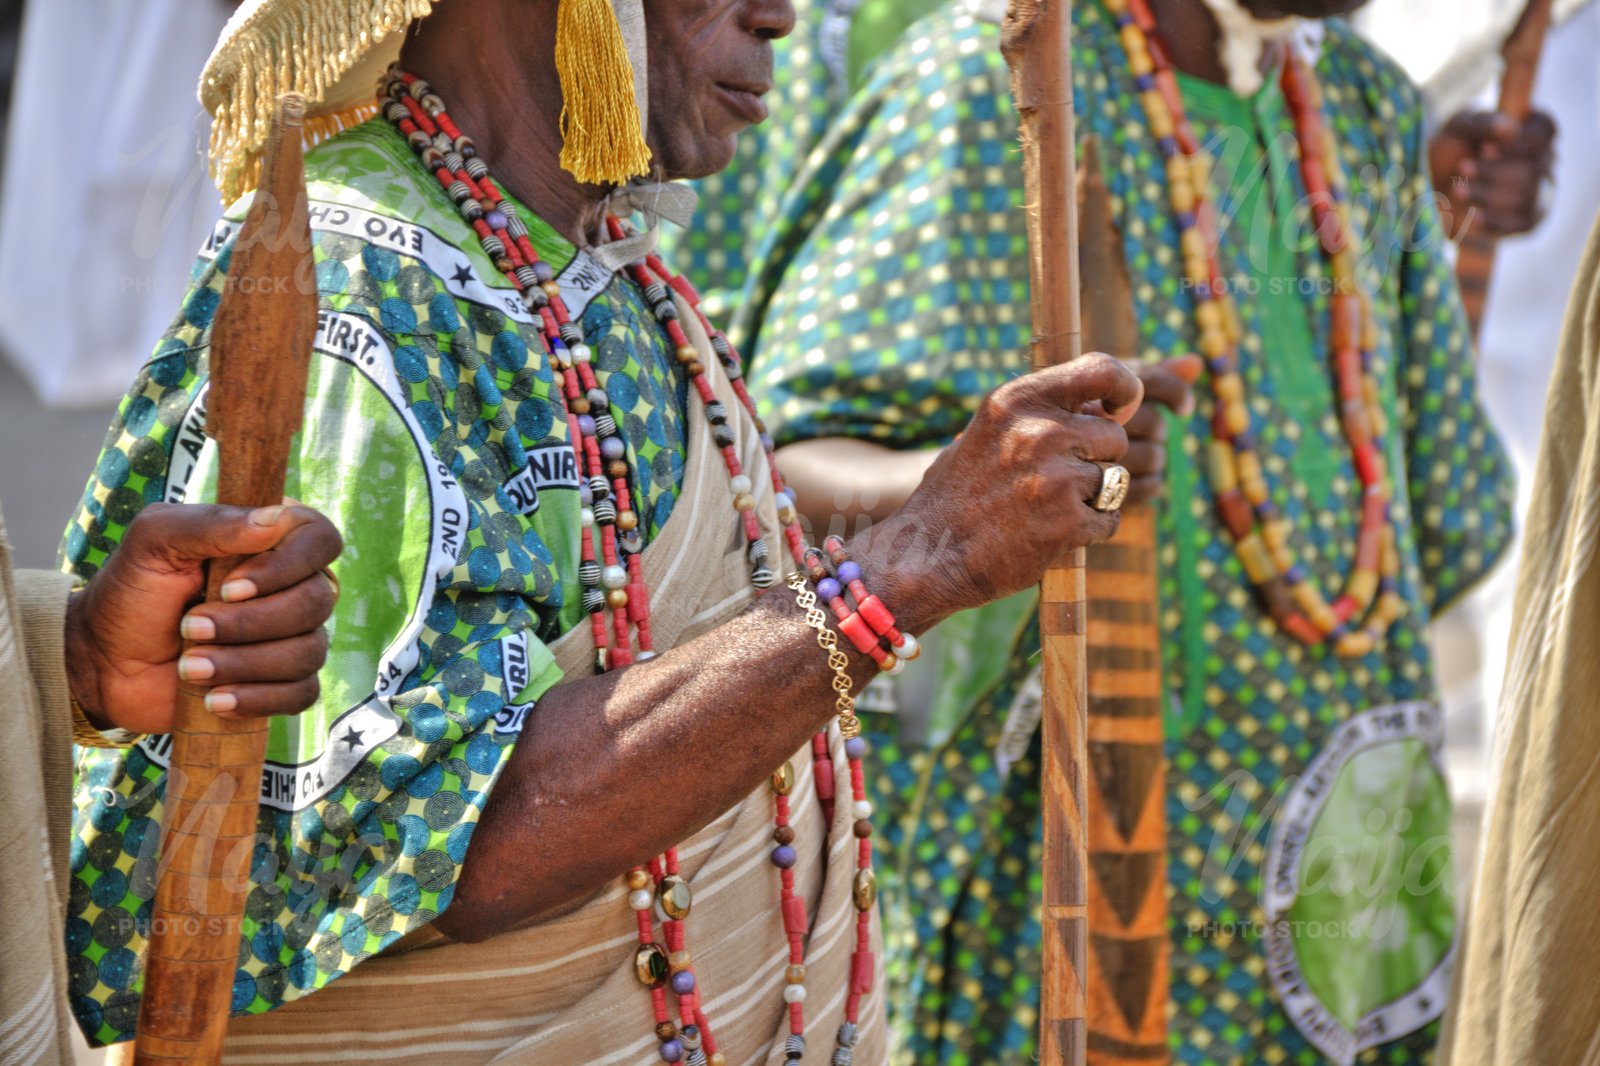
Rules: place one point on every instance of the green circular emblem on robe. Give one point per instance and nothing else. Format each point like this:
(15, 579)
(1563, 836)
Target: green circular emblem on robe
(1358, 884)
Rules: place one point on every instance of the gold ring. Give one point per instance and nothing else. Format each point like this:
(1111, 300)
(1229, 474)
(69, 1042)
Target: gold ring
(1113, 488)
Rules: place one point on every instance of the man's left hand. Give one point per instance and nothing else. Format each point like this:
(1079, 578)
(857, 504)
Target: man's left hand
(257, 652)
(1495, 167)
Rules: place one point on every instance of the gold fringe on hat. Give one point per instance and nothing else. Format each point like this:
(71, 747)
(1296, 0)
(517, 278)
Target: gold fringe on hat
(602, 139)
(302, 48)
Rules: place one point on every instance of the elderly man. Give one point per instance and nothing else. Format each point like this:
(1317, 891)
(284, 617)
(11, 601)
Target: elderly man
(543, 811)
(1334, 486)
(102, 667)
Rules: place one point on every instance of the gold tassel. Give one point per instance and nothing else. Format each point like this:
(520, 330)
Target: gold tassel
(303, 48)
(600, 127)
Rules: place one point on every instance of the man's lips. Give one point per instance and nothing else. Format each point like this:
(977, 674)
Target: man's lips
(744, 100)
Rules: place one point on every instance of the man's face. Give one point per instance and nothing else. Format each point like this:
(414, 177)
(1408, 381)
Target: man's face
(710, 63)
(1311, 9)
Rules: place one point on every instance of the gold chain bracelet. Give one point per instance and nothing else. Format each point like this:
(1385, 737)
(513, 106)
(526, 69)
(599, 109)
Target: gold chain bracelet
(849, 724)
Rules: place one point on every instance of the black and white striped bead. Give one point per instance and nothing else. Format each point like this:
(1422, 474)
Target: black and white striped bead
(589, 573)
(605, 512)
(593, 600)
(571, 333)
(847, 1035)
(605, 425)
(795, 1046)
(525, 278)
(716, 413)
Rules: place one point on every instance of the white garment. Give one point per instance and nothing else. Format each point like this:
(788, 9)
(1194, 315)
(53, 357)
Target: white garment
(105, 194)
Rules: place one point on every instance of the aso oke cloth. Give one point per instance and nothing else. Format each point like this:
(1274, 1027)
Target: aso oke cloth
(891, 295)
(432, 441)
(1528, 985)
(36, 789)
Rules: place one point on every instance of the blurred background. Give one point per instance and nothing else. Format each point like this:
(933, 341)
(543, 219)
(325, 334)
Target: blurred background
(104, 198)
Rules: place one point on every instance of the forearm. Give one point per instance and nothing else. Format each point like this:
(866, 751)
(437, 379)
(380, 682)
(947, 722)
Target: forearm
(612, 769)
(842, 485)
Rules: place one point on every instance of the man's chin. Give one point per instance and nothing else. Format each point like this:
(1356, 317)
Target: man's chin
(711, 156)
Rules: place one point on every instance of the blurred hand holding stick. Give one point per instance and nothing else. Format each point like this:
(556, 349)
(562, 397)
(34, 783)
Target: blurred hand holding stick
(1522, 52)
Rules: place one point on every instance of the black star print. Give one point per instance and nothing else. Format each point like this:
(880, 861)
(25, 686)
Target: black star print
(463, 274)
(352, 737)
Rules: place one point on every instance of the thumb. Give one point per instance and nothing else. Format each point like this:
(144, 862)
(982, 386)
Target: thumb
(181, 535)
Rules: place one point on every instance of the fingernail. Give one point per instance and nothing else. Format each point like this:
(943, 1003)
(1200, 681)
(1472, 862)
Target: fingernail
(195, 668)
(197, 627)
(221, 702)
(238, 589)
(266, 516)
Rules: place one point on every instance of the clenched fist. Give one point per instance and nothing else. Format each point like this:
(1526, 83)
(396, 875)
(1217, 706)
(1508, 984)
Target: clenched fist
(258, 651)
(1012, 495)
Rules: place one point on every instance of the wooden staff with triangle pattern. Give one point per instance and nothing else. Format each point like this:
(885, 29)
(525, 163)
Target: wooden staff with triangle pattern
(1127, 824)
(1035, 38)
(260, 349)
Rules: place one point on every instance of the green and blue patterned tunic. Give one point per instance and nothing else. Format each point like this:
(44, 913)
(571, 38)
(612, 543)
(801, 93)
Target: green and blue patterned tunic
(433, 442)
(871, 246)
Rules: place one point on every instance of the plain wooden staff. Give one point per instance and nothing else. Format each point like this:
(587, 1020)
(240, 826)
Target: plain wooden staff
(261, 343)
(1035, 39)
(1521, 52)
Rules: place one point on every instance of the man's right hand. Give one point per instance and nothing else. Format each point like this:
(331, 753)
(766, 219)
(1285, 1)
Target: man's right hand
(257, 652)
(1011, 496)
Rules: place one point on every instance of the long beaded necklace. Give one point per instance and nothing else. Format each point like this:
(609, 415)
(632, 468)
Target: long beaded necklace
(612, 575)
(1358, 619)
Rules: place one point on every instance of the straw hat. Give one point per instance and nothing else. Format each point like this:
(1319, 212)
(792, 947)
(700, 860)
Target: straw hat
(335, 52)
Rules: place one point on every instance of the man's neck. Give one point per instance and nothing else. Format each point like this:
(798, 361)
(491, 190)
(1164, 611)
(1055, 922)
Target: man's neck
(510, 106)
(1192, 38)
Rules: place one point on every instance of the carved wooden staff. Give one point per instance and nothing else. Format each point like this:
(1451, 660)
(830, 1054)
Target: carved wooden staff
(1036, 41)
(1127, 823)
(261, 343)
(1521, 52)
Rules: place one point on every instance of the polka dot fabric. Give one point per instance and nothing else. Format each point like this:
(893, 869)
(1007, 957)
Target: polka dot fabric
(885, 292)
